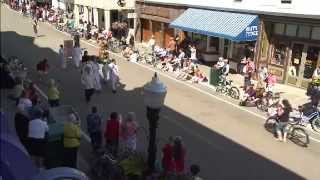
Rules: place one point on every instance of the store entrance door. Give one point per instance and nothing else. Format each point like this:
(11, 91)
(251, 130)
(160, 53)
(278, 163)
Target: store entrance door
(304, 60)
(310, 64)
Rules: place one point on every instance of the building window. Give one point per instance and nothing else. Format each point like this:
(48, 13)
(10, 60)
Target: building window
(214, 43)
(279, 54)
(279, 28)
(198, 37)
(304, 32)
(291, 30)
(286, 1)
(315, 33)
(311, 61)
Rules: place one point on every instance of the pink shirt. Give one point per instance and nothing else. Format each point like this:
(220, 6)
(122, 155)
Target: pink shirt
(271, 79)
(129, 129)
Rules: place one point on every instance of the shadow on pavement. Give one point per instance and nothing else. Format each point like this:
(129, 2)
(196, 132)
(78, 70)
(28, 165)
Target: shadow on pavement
(219, 158)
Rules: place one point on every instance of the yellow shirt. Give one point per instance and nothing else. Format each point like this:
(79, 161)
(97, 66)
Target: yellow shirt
(71, 138)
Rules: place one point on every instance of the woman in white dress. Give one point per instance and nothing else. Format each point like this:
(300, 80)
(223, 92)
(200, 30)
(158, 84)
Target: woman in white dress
(113, 75)
(61, 57)
(87, 79)
(96, 73)
(76, 56)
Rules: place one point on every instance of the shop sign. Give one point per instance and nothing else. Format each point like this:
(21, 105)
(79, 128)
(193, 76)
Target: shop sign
(132, 15)
(252, 31)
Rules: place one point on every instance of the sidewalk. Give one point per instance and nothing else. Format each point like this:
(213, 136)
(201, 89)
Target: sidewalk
(296, 96)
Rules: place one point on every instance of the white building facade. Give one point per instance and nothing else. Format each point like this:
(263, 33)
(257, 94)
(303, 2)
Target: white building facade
(62, 4)
(103, 13)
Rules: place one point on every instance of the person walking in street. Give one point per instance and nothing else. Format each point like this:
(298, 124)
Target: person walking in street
(21, 122)
(179, 154)
(76, 39)
(37, 137)
(62, 58)
(194, 171)
(112, 132)
(96, 73)
(53, 94)
(283, 112)
(129, 131)
(43, 68)
(167, 157)
(106, 72)
(76, 55)
(35, 26)
(114, 75)
(94, 128)
(85, 57)
(87, 79)
(71, 141)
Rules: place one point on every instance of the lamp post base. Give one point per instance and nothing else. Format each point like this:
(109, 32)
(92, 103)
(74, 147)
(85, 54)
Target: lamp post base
(153, 117)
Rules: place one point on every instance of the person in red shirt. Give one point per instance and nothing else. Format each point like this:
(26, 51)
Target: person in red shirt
(167, 157)
(32, 94)
(179, 154)
(112, 132)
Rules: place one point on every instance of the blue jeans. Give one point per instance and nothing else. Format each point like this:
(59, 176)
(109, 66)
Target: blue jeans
(282, 126)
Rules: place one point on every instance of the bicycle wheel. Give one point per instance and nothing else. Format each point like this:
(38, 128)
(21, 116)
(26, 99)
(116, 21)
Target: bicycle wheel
(261, 105)
(234, 92)
(315, 124)
(270, 124)
(299, 136)
(219, 88)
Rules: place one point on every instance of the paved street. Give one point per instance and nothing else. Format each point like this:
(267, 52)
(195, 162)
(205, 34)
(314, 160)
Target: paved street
(227, 141)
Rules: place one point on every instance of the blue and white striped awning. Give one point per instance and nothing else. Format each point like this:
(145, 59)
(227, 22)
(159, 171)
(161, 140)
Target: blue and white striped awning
(233, 26)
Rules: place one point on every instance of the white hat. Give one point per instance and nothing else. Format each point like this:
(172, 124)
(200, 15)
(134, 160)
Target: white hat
(73, 118)
(220, 58)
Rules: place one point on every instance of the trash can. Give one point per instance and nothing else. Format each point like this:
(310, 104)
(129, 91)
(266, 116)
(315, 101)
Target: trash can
(214, 76)
(54, 146)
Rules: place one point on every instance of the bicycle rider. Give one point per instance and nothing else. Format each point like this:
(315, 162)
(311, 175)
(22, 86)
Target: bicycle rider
(224, 67)
(283, 112)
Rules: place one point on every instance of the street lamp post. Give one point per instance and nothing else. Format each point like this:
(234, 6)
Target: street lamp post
(154, 93)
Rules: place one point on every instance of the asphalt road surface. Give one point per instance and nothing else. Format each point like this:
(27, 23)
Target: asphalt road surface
(228, 142)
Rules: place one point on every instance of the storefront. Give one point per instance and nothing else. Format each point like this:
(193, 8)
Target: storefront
(290, 48)
(220, 34)
(154, 19)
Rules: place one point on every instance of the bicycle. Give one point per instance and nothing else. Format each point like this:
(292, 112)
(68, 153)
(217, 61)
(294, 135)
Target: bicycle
(114, 45)
(296, 130)
(225, 87)
(152, 59)
(267, 101)
(313, 119)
